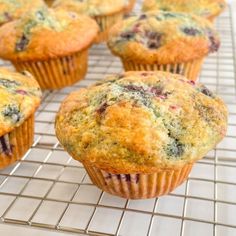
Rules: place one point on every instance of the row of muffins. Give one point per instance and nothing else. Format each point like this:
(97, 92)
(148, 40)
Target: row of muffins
(53, 44)
(137, 133)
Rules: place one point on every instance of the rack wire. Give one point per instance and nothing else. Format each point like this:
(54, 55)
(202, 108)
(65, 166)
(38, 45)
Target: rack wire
(48, 189)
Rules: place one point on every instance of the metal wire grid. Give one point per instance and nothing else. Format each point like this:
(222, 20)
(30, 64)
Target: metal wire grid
(48, 189)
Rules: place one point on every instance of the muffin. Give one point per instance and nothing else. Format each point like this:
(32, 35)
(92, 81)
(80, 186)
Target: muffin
(208, 9)
(138, 134)
(130, 5)
(52, 45)
(105, 12)
(19, 98)
(11, 10)
(166, 41)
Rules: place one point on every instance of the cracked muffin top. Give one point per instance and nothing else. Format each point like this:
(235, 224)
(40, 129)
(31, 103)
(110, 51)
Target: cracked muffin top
(163, 37)
(141, 122)
(91, 7)
(13, 9)
(203, 8)
(19, 97)
(45, 34)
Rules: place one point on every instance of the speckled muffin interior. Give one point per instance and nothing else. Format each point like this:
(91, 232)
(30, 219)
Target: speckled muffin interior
(13, 9)
(19, 97)
(141, 122)
(45, 34)
(92, 7)
(204, 8)
(163, 37)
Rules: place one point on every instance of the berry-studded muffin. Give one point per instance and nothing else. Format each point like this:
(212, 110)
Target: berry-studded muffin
(138, 134)
(209, 9)
(52, 45)
(105, 12)
(129, 6)
(13, 9)
(19, 98)
(166, 41)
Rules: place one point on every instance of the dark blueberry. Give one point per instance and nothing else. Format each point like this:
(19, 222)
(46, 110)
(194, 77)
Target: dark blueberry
(191, 31)
(125, 177)
(131, 87)
(8, 83)
(214, 44)
(143, 17)
(22, 43)
(127, 35)
(5, 146)
(12, 112)
(102, 108)
(157, 91)
(206, 91)
(153, 44)
(22, 92)
(175, 149)
(154, 41)
(191, 82)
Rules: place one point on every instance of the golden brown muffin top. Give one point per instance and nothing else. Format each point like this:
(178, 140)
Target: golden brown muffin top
(203, 8)
(13, 9)
(141, 122)
(46, 34)
(19, 97)
(91, 7)
(163, 37)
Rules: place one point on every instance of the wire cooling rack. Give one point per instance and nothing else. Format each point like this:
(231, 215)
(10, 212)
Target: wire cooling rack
(48, 189)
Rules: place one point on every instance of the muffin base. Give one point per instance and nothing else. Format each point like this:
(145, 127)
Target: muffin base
(105, 22)
(59, 72)
(18, 141)
(138, 186)
(190, 69)
(130, 6)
